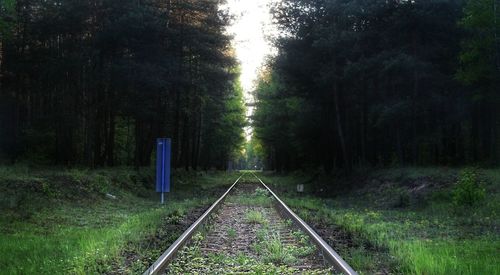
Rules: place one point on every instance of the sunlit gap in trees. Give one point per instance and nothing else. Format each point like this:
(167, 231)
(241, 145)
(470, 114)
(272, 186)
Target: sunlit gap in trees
(251, 29)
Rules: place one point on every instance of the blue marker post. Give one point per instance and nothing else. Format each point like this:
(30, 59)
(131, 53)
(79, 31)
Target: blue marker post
(163, 153)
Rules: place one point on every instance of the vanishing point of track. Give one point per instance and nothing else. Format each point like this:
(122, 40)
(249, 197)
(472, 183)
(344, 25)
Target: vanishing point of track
(228, 233)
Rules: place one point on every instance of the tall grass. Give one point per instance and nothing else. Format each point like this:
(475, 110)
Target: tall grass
(449, 256)
(411, 240)
(431, 239)
(74, 249)
(60, 220)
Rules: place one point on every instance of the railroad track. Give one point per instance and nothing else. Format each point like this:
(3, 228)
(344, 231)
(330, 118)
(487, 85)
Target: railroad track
(249, 230)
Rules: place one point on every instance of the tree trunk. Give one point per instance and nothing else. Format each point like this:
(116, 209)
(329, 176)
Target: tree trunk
(176, 142)
(339, 127)
(364, 123)
(196, 150)
(139, 145)
(414, 104)
(1, 59)
(497, 37)
(110, 143)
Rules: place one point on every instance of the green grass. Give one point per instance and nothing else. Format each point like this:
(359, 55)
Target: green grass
(422, 245)
(272, 254)
(191, 261)
(249, 200)
(273, 258)
(227, 264)
(260, 197)
(73, 249)
(231, 233)
(432, 235)
(57, 221)
(479, 256)
(254, 216)
(274, 251)
(271, 249)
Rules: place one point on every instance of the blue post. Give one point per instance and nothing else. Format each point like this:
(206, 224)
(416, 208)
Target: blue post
(163, 153)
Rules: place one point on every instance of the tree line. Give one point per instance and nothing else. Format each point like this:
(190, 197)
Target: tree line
(96, 82)
(381, 82)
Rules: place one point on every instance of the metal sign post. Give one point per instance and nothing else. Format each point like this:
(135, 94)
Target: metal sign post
(163, 153)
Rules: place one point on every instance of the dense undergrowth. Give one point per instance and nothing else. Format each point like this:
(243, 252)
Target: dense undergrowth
(422, 221)
(59, 221)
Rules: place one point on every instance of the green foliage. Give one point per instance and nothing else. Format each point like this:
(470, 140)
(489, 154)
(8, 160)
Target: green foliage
(113, 85)
(480, 68)
(479, 49)
(272, 257)
(404, 199)
(231, 233)
(429, 239)
(361, 83)
(277, 118)
(6, 18)
(469, 189)
(255, 216)
(60, 222)
(225, 138)
(260, 192)
(274, 251)
(192, 263)
(87, 247)
(252, 156)
(259, 198)
(306, 247)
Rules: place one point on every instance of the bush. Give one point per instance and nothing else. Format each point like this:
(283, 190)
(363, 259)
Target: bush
(469, 189)
(404, 199)
(260, 192)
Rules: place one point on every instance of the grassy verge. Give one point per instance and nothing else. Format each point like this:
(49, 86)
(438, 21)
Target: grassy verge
(411, 214)
(80, 221)
(77, 249)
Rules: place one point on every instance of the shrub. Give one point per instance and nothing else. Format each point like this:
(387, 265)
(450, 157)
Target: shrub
(469, 189)
(404, 199)
(260, 192)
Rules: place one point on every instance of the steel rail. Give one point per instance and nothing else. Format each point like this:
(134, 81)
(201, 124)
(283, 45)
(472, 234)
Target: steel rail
(328, 252)
(167, 256)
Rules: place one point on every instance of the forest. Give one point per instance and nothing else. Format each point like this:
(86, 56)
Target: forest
(308, 137)
(381, 83)
(94, 83)
(354, 84)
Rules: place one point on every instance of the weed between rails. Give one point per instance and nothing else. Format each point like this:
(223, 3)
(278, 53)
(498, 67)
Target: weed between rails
(274, 257)
(271, 248)
(269, 252)
(231, 233)
(254, 216)
(190, 260)
(260, 197)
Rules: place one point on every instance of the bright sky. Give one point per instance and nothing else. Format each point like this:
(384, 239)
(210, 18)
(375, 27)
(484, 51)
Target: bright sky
(251, 27)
